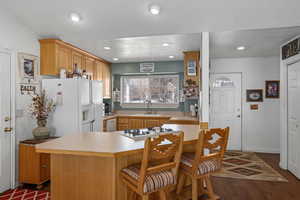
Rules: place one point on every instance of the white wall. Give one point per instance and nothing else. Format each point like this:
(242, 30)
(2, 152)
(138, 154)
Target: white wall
(18, 38)
(261, 130)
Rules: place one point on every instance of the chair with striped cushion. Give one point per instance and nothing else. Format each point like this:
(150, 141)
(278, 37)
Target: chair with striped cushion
(207, 159)
(158, 170)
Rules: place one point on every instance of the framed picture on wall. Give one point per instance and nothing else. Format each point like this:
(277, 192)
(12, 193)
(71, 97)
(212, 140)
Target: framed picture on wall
(255, 95)
(28, 67)
(273, 89)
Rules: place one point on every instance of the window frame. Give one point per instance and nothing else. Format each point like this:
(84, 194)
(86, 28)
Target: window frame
(154, 105)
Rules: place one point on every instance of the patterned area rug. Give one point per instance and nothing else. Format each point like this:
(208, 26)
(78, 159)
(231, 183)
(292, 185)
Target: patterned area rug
(23, 194)
(246, 165)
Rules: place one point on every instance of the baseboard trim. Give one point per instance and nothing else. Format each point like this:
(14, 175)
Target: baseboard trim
(263, 150)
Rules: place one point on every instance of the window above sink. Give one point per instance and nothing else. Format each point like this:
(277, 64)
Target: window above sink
(162, 90)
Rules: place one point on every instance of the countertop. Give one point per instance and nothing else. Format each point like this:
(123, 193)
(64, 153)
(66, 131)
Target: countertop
(106, 144)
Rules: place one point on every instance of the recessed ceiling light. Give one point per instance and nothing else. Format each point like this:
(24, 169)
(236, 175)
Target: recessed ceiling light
(75, 17)
(165, 44)
(154, 9)
(115, 59)
(171, 57)
(107, 48)
(241, 48)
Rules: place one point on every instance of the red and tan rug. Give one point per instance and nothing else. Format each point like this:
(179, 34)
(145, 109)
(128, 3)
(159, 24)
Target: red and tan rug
(24, 194)
(247, 165)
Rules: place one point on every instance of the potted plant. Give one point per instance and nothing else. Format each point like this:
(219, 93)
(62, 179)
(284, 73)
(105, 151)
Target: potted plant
(40, 108)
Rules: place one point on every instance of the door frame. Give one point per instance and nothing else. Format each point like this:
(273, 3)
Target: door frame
(13, 64)
(243, 137)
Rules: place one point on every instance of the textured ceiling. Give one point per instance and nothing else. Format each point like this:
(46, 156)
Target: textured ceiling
(257, 42)
(112, 19)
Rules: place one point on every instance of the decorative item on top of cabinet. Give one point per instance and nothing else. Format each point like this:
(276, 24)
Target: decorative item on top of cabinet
(34, 168)
(192, 66)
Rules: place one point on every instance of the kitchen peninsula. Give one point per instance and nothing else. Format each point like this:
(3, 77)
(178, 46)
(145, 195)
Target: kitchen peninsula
(86, 166)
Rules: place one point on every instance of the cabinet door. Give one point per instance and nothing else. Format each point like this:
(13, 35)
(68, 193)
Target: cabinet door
(98, 71)
(77, 59)
(64, 58)
(136, 123)
(151, 123)
(106, 80)
(44, 167)
(89, 66)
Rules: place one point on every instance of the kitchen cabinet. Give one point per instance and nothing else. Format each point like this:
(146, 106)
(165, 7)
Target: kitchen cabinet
(192, 64)
(152, 123)
(89, 67)
(64, 58)
(77, 60)
(136, 123)
(34, 168)
(57, 54)
(106, 78)
(98, 71)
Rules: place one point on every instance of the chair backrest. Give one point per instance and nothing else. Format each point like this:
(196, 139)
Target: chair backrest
(159, 156)
(212, 144)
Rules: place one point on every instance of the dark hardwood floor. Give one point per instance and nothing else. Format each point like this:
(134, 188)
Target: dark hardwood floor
(236, 189)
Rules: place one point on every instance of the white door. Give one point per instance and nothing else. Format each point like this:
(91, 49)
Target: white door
(226, 105)
(294, 118)
(5, 122)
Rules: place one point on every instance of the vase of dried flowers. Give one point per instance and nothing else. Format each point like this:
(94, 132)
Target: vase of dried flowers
(40, 108)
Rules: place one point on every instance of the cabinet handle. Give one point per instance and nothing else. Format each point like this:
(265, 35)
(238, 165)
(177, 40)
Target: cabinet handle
(44, 166)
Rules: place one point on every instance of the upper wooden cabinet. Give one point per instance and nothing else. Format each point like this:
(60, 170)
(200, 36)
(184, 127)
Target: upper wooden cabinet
(77, 60)
(57, 55)
(98, 70)
(90, 66)
(64, 58)
(106, 78)
(192, 66)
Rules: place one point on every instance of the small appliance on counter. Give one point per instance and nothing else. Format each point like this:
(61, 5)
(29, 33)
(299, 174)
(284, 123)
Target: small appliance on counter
(141, 134)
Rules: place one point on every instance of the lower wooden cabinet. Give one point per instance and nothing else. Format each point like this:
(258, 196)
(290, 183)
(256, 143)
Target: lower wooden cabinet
(140, 122)
(136, 123)
(34, 168)
(152, 123)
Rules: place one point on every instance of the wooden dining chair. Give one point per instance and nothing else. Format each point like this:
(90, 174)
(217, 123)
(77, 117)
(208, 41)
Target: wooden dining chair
(206, 160)
(158, 170)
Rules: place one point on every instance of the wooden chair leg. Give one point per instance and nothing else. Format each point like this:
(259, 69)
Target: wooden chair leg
(210, 190)
(194, 189)
(162, 195)
(131, 195)
(181, 182)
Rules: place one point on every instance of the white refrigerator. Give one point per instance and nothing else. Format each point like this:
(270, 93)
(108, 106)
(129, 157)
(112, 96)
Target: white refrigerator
(79, 105)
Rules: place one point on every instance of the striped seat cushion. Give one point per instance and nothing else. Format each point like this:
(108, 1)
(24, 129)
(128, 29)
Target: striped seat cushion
(154, 181)
(205, 167)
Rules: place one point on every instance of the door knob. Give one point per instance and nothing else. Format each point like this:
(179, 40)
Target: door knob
(239, 116)
(7, 129)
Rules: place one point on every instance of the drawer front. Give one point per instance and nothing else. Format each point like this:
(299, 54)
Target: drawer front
(149, 123)
(122, 120)
(122, 127)
(44, 167)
